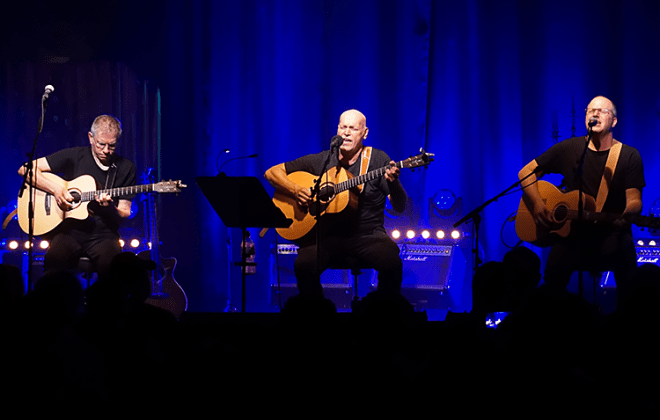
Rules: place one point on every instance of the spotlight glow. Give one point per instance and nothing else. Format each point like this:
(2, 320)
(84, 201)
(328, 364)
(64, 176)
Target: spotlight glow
(652, 243)
(135, 243)
(426, 234)
(640, 242)
(13, 245)
(44, 244)
(440, 234)
(122, 243)
(410, 234)
(26, 245)
(455, 234)
(396, 234)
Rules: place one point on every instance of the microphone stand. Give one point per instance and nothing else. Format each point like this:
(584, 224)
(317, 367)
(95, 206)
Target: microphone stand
(316, 192)
(580, 213)
(476, 218)
(29, 180)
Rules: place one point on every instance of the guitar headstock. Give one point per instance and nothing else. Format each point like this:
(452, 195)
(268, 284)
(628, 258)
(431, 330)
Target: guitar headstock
(422, 159)
(169, 186)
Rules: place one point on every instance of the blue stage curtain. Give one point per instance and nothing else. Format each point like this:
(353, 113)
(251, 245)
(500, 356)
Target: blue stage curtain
(486, 86)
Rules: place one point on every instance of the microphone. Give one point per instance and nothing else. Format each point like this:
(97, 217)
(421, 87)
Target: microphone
(592, 122)
(218, 158)
(336, 142)
(238, 157)
(47, 91)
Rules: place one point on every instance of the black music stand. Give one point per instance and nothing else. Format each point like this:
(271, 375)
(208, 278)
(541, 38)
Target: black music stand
(242, 202)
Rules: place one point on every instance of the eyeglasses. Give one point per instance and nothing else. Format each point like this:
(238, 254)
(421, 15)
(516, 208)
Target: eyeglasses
(591, 111)
(101, 146)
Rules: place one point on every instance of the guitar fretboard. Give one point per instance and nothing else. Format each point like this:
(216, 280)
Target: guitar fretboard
(116, 192)
(361, 179)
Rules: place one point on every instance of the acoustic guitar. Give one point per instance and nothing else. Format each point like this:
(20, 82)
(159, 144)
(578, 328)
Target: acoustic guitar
(48, 215)
(564, 209)
(166, 293)
(336, 194)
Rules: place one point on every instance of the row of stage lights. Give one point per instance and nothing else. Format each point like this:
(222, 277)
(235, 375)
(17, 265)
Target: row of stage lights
(426, 234)
(444, 208)
(15, 245)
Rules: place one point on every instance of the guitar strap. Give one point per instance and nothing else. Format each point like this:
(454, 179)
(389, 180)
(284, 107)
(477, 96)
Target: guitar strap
(110, 177)
(608, 174)
(364, 164)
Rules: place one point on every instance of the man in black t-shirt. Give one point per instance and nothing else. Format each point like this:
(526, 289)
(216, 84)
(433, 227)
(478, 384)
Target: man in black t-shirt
(97, 236)
(591, 247)
(359, 235)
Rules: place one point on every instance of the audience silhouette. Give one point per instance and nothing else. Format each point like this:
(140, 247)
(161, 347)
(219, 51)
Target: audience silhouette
(554, 353)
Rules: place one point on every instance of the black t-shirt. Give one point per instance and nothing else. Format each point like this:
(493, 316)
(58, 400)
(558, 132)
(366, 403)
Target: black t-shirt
(76, 161)
(371, 201)
(564, 158)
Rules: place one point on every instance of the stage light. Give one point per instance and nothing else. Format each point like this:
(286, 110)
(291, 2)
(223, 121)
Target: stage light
(455, 234)
(26, 245)
(426, 234)
(396, 234)
(652, 243)
(135, 243)
(13, 245)
(640, 242)
(444, 204)
(410, 234)
(44, 244)
(440, 234)
(149, 244)
(121, 243)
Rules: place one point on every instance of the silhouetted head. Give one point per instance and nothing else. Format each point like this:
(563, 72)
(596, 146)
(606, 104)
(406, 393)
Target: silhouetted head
(524, 266)
(132, 272)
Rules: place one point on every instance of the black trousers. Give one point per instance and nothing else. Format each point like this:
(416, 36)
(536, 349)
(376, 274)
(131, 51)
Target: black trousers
(376, 250)
(67, 247)
(595, 249)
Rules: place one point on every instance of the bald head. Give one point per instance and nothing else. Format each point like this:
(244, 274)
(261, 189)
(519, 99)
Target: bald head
(353, 129)
(353, 115)
(602, 101)
(602, 112)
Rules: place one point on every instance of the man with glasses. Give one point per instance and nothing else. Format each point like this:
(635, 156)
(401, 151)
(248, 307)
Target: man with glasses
(97, 236)
(591, 247)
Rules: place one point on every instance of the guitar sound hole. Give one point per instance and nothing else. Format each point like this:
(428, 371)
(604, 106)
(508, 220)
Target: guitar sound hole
(326, 193)
(561, 213)
(75, 195)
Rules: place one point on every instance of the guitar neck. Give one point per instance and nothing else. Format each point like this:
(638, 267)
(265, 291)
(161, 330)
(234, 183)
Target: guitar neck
(636, 219)
(114, 192)
(361, 179)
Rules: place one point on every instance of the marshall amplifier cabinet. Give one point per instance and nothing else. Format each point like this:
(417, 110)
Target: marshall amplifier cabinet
(433, 275)
(648, 254)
